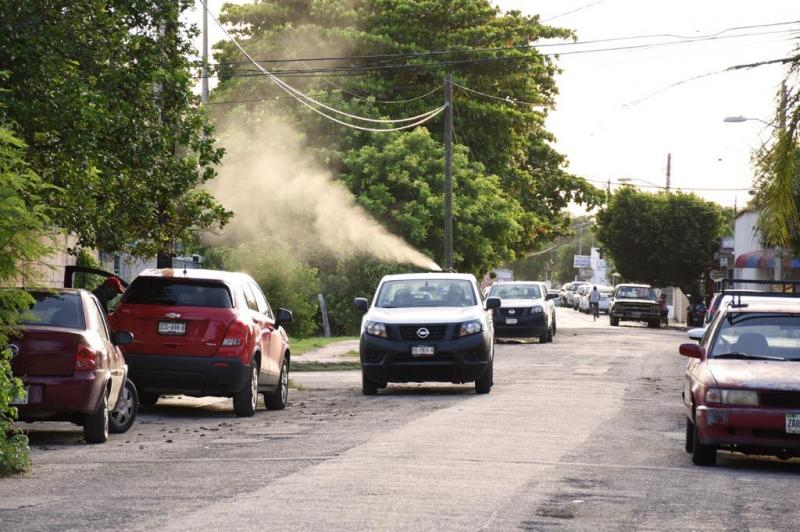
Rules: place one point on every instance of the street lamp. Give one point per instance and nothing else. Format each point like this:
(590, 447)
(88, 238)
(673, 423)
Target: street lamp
(738, 119)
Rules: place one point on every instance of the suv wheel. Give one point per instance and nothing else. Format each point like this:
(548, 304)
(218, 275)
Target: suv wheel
(368, 387)
(702, 454)
(123, 416)
(244, 402)
(277, 400)
(614, 321)
(95, 426)
(485, 382)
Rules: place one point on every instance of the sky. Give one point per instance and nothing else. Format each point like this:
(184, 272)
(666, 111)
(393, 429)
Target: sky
(610, 123)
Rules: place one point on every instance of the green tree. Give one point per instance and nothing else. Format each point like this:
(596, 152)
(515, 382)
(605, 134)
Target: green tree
(23, 223)
(506, 139)
(664, 239)
(286, 281)
(101, 93)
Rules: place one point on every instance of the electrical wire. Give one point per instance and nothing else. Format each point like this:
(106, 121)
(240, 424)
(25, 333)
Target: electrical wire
(699, 189)
(408, 55)
(581, 8)
(310, 102)
(507, 99)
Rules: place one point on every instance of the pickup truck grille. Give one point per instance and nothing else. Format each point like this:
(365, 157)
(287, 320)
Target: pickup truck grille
(514, 312)
(436, 332)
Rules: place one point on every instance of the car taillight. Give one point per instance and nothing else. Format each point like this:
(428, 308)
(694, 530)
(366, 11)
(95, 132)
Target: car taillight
(85, 358)
(235, 337)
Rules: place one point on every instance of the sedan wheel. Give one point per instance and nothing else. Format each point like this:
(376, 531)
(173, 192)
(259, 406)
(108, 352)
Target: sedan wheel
(123, 416)
(702, 454)
(95, 426)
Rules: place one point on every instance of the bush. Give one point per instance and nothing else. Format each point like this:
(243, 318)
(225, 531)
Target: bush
(353, 277)
(286, 281)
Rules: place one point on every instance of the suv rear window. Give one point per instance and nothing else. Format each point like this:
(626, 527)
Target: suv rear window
(178, 293)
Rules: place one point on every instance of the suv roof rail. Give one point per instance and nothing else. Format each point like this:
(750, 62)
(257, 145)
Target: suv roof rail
(787, 288)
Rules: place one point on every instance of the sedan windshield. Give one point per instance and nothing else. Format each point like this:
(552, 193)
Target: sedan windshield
(515, 291)
(635, 292)
(770, 336)
(426, 293)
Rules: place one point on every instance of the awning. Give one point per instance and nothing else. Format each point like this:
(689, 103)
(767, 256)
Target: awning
(764, 259)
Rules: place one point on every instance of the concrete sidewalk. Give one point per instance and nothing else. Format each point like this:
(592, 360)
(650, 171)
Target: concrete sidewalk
(331, 353)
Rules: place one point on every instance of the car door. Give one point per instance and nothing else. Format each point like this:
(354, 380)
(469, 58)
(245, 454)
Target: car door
(110, 355)
(276, 336)
(262, 328)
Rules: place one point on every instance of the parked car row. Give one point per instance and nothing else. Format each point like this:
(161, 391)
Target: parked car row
(192, 332)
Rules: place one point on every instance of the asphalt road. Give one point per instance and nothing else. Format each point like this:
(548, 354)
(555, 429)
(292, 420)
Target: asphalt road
(583, 433)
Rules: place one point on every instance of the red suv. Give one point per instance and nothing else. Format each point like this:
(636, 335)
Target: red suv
(204, 332)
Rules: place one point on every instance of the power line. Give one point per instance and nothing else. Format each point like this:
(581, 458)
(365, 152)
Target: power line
(699, 189)
(506, 99)
(581, 8)
(310, 102)
(407, 55)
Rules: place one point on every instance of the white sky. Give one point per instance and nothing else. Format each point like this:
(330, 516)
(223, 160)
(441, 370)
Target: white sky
(604, 138)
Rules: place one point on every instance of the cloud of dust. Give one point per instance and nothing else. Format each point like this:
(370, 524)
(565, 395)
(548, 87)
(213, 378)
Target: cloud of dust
(277, 191)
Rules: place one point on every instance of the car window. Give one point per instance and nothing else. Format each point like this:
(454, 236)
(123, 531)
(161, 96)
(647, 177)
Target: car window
(249, 297)
(756, 333)
(516, 291)
(426, 293)
(635, 292)
(174, 292)
(98, 317)
(261, 300)
(57, 310)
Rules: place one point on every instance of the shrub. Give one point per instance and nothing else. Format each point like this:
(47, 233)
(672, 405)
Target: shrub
(286, 281)
(353, 277)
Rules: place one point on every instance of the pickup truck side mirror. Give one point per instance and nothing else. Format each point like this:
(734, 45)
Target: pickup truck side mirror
(361, 304)
(493, 303)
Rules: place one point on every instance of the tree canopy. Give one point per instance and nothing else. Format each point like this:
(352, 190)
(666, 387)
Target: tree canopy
(664, 239)
(391, 59)
(101, 94)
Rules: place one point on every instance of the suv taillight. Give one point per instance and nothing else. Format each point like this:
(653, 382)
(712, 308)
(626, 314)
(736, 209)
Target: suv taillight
(234, 339)
(85, 358)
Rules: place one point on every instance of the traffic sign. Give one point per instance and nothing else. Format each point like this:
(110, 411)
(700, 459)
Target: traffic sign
(581, 261)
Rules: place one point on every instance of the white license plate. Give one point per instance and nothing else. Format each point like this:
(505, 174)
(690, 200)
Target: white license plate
(511, 321)
(422, 350)
(636, 314)
(793, 423)
(172, 327)
(21, 400)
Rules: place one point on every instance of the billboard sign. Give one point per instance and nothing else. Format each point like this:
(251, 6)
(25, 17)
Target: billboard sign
(581, 261)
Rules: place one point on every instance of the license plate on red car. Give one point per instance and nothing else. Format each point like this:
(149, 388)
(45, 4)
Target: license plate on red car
(177, 328)
(793, 423)
(422, 350)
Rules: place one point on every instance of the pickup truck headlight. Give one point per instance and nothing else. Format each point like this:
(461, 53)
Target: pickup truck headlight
(376, 329)
(732, 397)
(536, 310)
(470, 327)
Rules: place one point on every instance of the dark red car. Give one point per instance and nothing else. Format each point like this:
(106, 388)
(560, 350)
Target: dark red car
(204, 332)
(71, 366)
(742, 386)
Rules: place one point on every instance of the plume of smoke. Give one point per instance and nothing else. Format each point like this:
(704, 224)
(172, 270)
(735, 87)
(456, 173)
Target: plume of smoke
(277, 191)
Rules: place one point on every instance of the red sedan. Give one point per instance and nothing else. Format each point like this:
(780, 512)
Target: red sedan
(742, 386)
(72, 369)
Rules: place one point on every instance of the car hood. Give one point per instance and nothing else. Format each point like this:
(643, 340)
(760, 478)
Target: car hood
(759, 374)
(520, 303)
(424, 315)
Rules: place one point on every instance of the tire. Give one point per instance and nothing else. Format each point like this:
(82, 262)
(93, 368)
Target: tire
(550, 335)
(123, 416)
(485, 382)
(277, 400)
(689, 443)
(543, 338)
(614, 321)
(554, 326)
(702, 454)
(148, 398)
(368, 387)
(244, 402)
(95, 426)
(654, 324)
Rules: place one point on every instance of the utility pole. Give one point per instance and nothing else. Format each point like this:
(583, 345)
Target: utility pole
(608, 191)
(448, 172)
(204, 79)
(778, 270)
(669, 169)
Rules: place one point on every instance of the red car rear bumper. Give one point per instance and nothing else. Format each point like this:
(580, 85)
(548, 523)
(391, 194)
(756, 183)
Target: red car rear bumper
(745, 427)
(60, 397)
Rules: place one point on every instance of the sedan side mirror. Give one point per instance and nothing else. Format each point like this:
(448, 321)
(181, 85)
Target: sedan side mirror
(551, 296)
(697, 334)
(493, 303)
(692, 351)
(284, 316)
(361, 304)
(122, 338)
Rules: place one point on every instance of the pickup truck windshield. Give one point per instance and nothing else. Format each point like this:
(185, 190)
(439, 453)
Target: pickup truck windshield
(426, 293)
(635, 292)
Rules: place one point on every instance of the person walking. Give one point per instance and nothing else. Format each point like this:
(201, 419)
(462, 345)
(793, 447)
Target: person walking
(594, 302)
